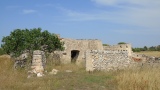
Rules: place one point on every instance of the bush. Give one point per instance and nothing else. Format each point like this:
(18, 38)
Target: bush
(2, 51)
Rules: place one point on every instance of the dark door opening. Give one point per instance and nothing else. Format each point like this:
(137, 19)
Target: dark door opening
(74, 55)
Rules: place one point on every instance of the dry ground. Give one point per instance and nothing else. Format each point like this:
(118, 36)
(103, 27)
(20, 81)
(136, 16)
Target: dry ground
(135, 79)
(150, 53)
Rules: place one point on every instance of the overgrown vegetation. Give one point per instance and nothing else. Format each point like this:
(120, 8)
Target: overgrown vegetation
(146, 78)
(78, 79)
(21, 40)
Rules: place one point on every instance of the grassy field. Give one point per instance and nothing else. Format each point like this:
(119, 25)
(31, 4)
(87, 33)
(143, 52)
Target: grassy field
(150, 53)
(79, 79)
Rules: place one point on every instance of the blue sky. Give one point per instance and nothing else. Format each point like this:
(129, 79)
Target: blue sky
(112, 21)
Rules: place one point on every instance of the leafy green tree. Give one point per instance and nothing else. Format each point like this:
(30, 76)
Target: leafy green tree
(21, 40)
(145, 48)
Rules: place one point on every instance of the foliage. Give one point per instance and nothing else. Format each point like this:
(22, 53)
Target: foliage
(152, 48)
(106, 45)
(136, 49)
(158, 48)
(21, 40)
(2, 51)
(145, 48)
(121, 43)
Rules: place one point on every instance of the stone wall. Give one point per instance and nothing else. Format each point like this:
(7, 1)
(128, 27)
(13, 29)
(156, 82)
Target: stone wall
(21, 61)
(107, 60)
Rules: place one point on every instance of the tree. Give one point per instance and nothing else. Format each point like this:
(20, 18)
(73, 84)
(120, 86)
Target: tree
(145, 48)
(158, 48)
(136, 49)
(106, 45)
(121, 43)
(152, 48)
(21, 40)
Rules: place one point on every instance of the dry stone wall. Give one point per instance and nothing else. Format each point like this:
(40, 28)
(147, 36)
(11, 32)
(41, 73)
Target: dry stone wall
(107, 60)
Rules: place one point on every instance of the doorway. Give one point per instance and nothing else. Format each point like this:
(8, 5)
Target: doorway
(74, 55)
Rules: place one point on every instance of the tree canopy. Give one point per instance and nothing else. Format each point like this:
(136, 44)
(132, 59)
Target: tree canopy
(21, 40)
(106, 45)
(121, 43)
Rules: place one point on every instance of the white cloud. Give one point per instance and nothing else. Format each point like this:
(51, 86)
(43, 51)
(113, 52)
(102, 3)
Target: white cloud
(138, 13)
(136, 17)
(125, 2)
(28, 11)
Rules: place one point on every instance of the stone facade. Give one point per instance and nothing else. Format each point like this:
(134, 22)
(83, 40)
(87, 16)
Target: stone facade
(75, 50)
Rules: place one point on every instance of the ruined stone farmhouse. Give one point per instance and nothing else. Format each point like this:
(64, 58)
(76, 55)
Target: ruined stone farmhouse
(89, 53)
(85, 52)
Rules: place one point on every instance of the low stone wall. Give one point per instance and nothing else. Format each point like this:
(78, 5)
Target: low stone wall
(107, 60)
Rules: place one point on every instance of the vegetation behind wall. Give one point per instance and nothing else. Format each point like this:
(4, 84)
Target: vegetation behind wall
(145, 48)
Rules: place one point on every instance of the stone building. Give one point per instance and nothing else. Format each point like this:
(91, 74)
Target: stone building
(75, 50)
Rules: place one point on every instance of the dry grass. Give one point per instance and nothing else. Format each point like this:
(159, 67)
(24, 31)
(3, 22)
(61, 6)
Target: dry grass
(79, 79)
(142, 79)
(150, 53)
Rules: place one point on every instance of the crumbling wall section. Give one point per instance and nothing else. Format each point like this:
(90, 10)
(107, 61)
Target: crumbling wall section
(38, 61)
(120, 48)
(107, 60)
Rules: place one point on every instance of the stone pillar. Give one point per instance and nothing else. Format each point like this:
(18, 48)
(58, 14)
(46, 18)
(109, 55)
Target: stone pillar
(38, 62)
(89, 63)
